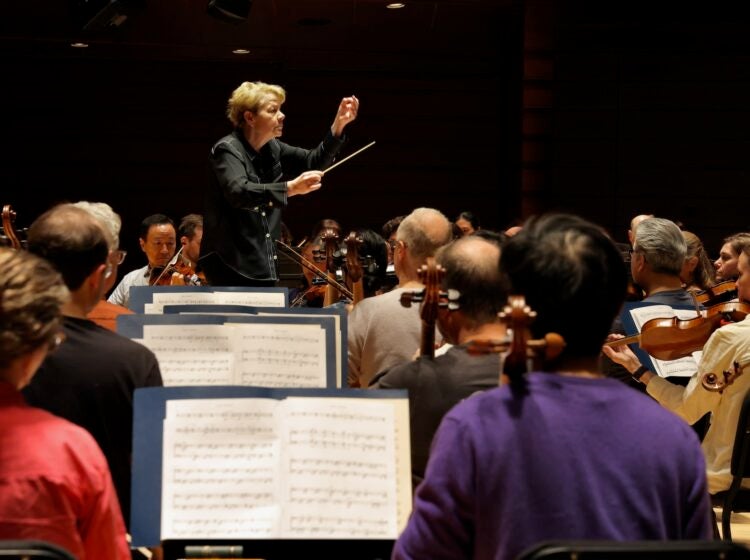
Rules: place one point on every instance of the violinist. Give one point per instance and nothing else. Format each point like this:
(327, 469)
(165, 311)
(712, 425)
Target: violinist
(553, 428)
(698, 272)
(726, 264)
(252, 176)
(656, 260)
(727, 346)
(190, 233)
(435, 385)
(158, 240)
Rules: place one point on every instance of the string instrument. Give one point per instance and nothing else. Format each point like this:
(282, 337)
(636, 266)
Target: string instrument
(521, 350)
(9, 216)
(721, 292)
(331, 243)
(672, 338)
(354, 272)
(178, 272)
(303, 262)
(714, 383)
(431, 299)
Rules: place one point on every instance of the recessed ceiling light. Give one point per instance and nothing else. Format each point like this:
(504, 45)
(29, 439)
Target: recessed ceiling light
(241, 51)
(395, 5)
(79, 45)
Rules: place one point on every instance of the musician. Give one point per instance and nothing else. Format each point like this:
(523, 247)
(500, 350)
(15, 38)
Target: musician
(91, 378)
(467, 222)
(726, 264)
(656, 260)
(698, 272)
(436, 385)
(251, 180)
(105, 313)
(535, 459)
(634, 225)
(191, 235)
(727, 345)
(382, 332)
(158, 240)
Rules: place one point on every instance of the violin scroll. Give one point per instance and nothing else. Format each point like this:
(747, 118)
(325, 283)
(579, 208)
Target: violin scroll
(9, 216)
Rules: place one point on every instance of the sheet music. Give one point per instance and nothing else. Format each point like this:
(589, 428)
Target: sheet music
(188, 297)
(192, 354)
(303, 467)
(280, 355)
(682, 367)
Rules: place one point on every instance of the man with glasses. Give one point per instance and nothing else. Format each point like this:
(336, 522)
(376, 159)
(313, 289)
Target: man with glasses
(91, 378)
(105, 313)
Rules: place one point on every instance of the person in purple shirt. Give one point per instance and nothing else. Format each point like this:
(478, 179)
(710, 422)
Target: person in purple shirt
(562, 452)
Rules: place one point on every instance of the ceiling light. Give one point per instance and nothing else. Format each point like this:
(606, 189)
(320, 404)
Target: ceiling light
(395, 5)
(79, 45)
(241, 51)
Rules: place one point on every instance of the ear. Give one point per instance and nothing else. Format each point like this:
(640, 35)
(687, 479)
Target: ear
(248, 117)
(142, 243)
(184, 240)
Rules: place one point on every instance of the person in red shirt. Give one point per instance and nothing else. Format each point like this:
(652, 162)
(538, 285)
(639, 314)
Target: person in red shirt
(55, 484)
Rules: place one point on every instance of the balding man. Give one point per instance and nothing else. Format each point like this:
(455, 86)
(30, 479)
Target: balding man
(436, 385)
(383, 333)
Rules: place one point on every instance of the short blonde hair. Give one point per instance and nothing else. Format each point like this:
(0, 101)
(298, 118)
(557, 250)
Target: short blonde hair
(248, 97)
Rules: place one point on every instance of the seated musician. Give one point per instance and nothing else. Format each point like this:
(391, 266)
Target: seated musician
(435, 385)
(191, 234)
(105, 313)
(727, 345)
(382, 332)
(698, 272)
(562, 452)
(55, 485)
(656, 261)
(158, 240)
(726, 264)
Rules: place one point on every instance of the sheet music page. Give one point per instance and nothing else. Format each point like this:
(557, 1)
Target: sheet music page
(280, 355)
(192, 354)
(338, 336)
(221, 469)
(187, 297)
(255, 299)
(339, 464)
(682, 367)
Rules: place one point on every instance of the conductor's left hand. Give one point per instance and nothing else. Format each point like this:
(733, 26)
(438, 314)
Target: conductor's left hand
(347, 112)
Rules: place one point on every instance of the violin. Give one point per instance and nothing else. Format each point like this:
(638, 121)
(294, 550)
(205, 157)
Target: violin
(178, 272)
(431, 298)
(673, 338)
(303, 262)
(721, 292)
(521, 348)
(9, 216)
(354, 267)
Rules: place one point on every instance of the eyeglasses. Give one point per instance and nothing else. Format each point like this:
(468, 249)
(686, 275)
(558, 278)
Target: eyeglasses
(118, 257)
(55, 342)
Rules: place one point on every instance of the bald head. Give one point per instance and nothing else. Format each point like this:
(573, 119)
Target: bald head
(423, 232)
(634, 225)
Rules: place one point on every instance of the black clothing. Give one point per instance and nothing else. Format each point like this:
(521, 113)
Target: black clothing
(90, 380)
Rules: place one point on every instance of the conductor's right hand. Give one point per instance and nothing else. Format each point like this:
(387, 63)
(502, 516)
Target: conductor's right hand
(306, 183)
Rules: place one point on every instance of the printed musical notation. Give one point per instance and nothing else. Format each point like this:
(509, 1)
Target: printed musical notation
(261, 468)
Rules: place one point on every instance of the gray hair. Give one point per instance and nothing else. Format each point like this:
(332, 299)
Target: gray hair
(424, 231)
(661, 243)
(107, 216)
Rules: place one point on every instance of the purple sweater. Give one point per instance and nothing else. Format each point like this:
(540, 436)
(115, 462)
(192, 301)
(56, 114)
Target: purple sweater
(572, 458)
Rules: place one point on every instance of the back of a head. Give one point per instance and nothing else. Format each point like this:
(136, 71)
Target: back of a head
(738, 241)
(424, 231)
(107, 216)
(74, 241)
(31, 296)
(375, 255)
(571, 274)
(390, 227)
(704, 273)
(661, 242)
(471, 267)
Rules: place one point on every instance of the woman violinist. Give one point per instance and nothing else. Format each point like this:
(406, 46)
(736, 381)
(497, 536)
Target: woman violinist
(698, 272)
(725, 355)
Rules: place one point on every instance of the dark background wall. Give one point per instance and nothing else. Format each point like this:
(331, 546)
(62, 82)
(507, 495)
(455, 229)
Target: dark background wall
(603, 109)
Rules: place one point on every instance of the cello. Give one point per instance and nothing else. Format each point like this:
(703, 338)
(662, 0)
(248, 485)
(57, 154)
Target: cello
(331, 242)
(9, 216)
(354, 272)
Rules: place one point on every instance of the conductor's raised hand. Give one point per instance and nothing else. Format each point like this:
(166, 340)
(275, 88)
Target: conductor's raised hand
(306, 183)
(348, 109)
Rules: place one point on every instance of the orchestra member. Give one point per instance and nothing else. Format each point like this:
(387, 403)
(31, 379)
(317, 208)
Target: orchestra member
(252, 176)
(561, 453)
(726, 264)
(55, 485)
(467, 223)
(698, 272)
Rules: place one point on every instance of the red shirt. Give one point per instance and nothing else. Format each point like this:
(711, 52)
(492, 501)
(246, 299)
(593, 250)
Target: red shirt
(55, 484)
